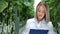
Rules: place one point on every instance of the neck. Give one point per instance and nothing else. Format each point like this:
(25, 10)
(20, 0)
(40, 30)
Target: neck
(40, 19)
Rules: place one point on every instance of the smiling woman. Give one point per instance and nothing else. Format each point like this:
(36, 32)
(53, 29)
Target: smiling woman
(41, 20)
(42, 12)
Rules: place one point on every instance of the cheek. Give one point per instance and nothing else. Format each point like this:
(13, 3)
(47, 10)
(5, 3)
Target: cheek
(42, 15)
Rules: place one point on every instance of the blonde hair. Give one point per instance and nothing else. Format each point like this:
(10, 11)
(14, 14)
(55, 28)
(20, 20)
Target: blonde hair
(47, 17)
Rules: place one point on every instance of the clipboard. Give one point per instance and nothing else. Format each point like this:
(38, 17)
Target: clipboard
(36, 31)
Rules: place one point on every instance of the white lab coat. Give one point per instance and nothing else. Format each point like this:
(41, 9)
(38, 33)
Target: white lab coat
(33, 24)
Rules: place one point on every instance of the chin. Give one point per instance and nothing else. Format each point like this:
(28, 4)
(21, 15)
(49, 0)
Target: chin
(40, 18)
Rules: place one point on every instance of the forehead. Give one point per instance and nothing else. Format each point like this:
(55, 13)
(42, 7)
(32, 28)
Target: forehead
(41, 7)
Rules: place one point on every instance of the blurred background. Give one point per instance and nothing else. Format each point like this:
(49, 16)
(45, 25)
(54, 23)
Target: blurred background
(14, 13)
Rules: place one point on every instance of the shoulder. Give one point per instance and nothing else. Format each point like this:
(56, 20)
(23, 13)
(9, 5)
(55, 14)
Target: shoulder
(50, 25)
(30, 20)
(30, 23)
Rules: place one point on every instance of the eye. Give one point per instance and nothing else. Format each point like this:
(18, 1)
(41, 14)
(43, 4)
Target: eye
(41, 11)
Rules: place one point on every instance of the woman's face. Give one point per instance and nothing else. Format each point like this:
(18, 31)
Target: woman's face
(41, 12)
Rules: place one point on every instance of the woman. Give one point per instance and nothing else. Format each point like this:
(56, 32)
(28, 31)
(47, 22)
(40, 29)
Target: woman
(41, 20)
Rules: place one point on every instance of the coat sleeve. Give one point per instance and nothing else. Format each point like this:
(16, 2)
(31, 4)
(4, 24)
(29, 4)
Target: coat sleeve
(27, 27)
(50, 28)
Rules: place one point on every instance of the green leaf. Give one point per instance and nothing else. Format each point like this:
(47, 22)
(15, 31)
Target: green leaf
(3, 5)
(27, 3)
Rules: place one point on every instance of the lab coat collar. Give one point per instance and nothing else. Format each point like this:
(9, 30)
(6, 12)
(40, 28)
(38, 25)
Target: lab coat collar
(41, 22)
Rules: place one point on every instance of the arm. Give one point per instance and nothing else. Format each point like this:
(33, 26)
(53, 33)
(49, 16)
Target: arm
(50, 28)
(27, 28)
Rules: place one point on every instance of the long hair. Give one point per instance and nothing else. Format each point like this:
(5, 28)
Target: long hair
(47, 17)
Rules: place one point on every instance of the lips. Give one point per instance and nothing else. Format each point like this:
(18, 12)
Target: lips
(39, 15)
